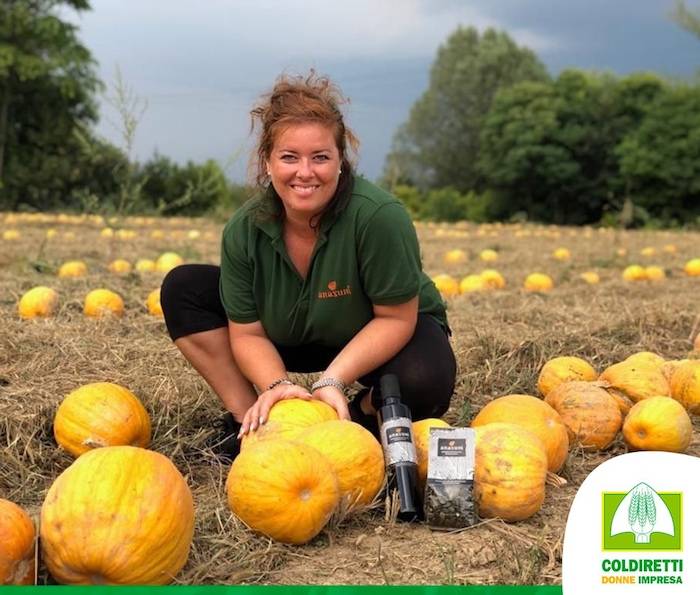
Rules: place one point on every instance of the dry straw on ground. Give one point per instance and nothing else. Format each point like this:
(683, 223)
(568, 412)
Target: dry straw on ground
(501, 340)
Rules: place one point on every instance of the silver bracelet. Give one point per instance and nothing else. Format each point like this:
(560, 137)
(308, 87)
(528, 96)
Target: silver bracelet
(323, 382)
(278, 382)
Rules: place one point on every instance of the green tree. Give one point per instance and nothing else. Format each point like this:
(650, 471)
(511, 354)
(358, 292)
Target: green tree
(548, 149)
(191, 189)
(661, 158)
(439, 144)
(47, 82)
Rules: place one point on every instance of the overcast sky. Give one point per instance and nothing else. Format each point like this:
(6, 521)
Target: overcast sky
(201, 64)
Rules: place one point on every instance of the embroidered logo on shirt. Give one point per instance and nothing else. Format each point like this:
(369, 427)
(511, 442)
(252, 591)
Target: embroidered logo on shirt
(334, 292)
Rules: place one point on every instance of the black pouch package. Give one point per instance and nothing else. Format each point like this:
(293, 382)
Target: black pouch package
(449, 489)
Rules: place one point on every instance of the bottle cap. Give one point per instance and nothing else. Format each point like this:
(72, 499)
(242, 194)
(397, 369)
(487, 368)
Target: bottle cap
(389, 387)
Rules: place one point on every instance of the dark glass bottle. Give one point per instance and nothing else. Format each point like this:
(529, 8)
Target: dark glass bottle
(399, 449)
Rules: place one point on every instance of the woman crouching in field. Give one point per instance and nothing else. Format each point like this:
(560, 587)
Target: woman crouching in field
(320, 272)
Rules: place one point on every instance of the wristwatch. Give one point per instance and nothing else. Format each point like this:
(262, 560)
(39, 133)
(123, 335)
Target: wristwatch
(323, 382)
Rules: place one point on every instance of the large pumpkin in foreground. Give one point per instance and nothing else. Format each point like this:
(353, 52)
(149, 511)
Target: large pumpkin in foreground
(283, 489)
(101, 414)
(535, 415)
(17, 537)
(591, 415)
(510, 472)
(288, 418)
(355, 455)
(119, 515)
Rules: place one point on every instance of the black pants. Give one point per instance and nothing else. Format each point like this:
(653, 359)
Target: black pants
(426, 366)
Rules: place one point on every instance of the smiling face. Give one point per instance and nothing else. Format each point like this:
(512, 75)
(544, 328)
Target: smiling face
(304, 168)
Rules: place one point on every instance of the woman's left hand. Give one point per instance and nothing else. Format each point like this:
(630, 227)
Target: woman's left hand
(335, 398)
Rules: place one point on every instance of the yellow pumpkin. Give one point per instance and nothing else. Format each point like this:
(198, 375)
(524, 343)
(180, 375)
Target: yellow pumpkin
(447, 285)
(638, 377)
(654, 273)
(488, 255)
(168, 261)
(11, 234)
(538, 282)
(634, 272)
(354, 454)
(510, 472)
(532, 414)
(145, 265)
(283, 489)
(119, 515)
(120, 266)
(101, 414)
(561, 254)
(38, 302)
(421, 439)
(564, 369)
(648, 357)
(492, 279)
(471, 283)
(288, 418)
(103, 302)
(692, 267)
(685, 385)
(456, 256)
(591, 415)
(590, 277)
(153, 303)
(17, 539)
(658, 423)
(72, 268)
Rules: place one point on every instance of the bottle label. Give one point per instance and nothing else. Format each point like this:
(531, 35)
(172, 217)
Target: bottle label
(397, 441)
(398, 434)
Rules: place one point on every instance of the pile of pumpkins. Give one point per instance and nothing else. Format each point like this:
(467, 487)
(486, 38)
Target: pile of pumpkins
(291, 475)
(304, 463)
(522, 440)
(115, 492)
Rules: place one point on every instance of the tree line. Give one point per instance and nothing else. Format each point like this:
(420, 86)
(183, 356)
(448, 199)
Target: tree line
(494, 137)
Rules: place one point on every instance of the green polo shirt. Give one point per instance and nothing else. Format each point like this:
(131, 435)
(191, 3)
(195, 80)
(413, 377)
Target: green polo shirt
(368, 255)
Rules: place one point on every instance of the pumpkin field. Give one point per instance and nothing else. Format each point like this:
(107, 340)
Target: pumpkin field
(586, 302)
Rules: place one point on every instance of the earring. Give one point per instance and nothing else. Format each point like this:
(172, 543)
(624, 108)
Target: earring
(340, 171)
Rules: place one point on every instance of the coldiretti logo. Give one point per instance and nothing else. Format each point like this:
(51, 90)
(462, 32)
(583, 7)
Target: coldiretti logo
(642, 519)
(334, 292)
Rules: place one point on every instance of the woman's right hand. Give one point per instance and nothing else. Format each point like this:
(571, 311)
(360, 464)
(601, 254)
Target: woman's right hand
(258, 413)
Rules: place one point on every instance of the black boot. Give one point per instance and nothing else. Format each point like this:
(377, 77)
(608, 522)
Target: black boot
(366, 420)
(227, 445)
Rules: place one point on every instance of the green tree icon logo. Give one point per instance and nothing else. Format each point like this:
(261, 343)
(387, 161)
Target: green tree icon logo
(642, 512)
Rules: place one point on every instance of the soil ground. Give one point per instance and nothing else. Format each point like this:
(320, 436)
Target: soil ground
(501, 339)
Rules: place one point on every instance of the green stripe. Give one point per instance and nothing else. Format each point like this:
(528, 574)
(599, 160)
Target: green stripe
(285, 590)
